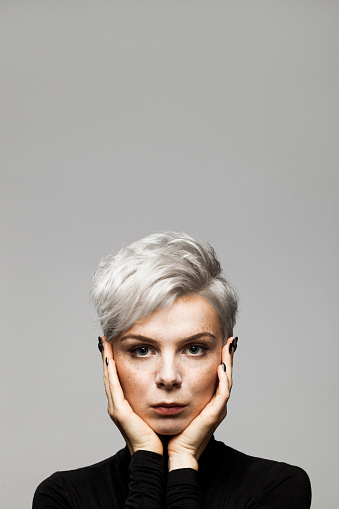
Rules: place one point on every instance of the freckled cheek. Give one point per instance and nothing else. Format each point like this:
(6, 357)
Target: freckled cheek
(202, 383)
(134, 379)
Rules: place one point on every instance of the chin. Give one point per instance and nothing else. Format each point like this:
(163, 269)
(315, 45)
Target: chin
(168, 427)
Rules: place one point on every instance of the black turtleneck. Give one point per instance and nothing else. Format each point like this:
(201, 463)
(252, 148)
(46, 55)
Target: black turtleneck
(226, 479)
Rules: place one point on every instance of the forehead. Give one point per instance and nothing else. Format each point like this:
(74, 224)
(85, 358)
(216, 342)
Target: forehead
(188, 315)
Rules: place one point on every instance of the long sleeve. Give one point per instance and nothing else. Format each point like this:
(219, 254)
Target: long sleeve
(146, 481)
(183, 490)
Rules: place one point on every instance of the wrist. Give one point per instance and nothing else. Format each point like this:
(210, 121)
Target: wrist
(147, 449)
(157, 449)
(182, 461)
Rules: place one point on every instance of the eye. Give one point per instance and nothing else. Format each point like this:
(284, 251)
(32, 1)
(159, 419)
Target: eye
(140, 351)
(196, 349)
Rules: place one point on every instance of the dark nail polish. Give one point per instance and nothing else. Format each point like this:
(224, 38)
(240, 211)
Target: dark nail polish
(106, 360)
(224, 366)
(235, 343)
(230, 348)
(100, 345)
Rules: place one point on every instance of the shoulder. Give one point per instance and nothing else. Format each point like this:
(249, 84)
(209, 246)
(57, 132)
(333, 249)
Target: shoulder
(53, 492)
(68, 488)
(265, 482)
(279, 483)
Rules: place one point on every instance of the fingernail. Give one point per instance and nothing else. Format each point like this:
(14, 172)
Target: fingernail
(224, 366)
(106, 360)
(233, 345)
(100, 344)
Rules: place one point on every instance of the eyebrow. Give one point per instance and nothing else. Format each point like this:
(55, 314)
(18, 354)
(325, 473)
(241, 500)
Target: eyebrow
(151, 340)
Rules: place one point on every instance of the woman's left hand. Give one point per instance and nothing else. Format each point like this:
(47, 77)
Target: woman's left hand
(185, 449)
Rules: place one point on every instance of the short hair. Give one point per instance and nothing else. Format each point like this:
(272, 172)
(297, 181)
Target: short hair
(152, 273)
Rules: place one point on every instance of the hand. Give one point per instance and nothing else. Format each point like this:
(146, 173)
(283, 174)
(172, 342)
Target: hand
(137, 434)
(185, 449)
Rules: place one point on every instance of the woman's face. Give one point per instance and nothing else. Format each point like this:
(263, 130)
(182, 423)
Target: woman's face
(167, 363)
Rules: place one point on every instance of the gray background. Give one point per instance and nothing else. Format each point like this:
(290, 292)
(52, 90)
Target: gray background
(124, 118)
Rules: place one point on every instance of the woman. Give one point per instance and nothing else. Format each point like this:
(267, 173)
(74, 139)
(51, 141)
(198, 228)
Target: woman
(167, 316)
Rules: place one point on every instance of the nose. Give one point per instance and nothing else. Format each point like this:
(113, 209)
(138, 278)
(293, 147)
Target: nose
(168, 374)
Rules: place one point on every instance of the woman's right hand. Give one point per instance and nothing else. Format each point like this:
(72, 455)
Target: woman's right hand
(137, 434)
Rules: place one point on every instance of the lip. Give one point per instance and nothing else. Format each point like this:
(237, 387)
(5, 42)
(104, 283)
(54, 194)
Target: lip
(168, 408)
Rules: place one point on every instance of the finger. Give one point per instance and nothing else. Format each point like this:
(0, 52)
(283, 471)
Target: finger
(225, 369)
(101, 345)
(106, 354)
(115, 389)
(227, 359)
(233, 346)
(223, 387)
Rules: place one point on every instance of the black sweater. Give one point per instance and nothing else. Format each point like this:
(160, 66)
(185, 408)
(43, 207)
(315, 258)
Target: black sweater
(226, 479)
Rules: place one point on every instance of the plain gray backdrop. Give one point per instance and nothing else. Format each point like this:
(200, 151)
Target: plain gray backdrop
(124, 118)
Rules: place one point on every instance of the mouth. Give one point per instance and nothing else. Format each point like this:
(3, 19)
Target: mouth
(168, 408)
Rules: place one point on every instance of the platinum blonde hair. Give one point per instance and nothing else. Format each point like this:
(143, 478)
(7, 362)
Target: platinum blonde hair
(152, 273)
